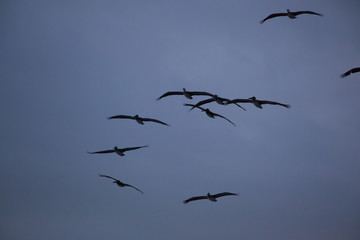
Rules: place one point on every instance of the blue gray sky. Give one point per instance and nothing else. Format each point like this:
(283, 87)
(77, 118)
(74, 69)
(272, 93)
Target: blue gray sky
(65, 66)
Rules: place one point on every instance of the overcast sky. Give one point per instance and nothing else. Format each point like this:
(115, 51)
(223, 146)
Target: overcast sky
(65, 66)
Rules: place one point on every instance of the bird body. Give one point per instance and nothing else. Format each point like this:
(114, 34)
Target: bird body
(138, 119)
(291, 15)
(119, 151)
(119, 183)
(256, 102)
(219, 100)
(210, 197)
(209, 113)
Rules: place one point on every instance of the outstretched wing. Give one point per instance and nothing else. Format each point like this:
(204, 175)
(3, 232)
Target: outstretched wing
(226, 102)
(345, 74)
(169, 94)
(107, 177)
(154, 120)
(274, 103)
(193, 106)
(194, 199)
(209, 100)
(306, 12)
(125, 184)
(201, 93)
(354, 70)
(272, 16)
(234, 101)
(121, 117)
(224, 118)
(132, 148)
(105, 151)
(224, 194)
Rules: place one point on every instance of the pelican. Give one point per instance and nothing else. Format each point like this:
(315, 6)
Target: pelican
(210, 197)
(354, 70)
(138, 119)
(217, 99)
(185, 93)
(257, 102)
(291, 15)
(119, 183)
(119, 151)
(209, 113)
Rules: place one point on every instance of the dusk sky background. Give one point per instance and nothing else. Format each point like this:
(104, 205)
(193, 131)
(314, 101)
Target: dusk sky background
(65, 66)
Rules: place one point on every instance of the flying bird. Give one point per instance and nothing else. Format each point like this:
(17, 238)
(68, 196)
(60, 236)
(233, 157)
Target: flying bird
(209, 113)
(289, 14)
(354, 70)
(217, 99)
(119, 151)
(138, 119)
(187, 94)
(119, 183)
(257, 102)
(210, 197)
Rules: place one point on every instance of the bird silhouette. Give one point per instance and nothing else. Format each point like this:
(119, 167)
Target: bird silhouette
(210, 197)
(187, 94)
(119, 183)
(256, 102)
(138, 119)
(209, 113)
(119, 151)
(291, 15)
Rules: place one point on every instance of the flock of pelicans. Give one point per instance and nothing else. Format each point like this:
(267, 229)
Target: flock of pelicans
(188, 94)
(212, 98)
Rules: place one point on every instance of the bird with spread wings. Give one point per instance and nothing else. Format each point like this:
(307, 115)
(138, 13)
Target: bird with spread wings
(208, 112)
(258, 103)
(138, 119)
(210, 197)
(119, 151)
(119, 183)
(291, 15)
